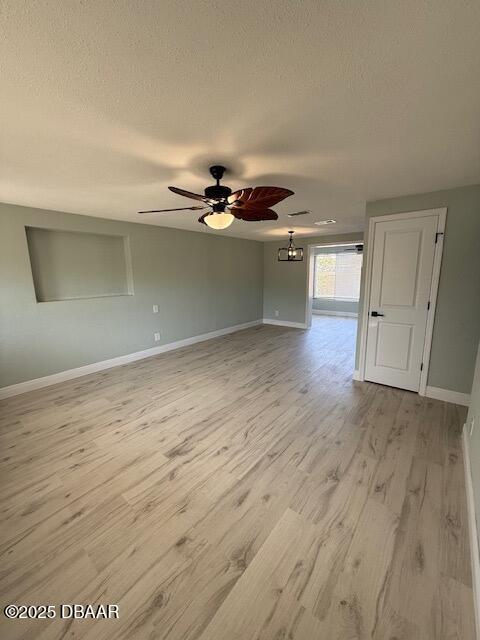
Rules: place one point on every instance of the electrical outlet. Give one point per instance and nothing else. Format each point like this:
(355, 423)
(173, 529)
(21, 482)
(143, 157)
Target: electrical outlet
(472, 424)
(156, 336)
(277, 313)
(155, 308)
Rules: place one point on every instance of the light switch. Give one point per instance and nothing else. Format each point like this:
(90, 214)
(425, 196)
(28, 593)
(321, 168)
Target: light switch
(155, 308)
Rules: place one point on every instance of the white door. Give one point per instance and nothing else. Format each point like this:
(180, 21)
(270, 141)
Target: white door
(403, 256)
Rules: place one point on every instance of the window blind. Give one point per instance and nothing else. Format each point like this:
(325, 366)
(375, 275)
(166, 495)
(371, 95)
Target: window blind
(337, 275)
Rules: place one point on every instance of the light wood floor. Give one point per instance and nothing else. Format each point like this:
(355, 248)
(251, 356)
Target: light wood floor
(240, 489)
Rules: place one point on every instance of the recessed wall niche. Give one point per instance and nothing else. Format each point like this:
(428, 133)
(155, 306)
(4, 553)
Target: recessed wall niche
(68, 265)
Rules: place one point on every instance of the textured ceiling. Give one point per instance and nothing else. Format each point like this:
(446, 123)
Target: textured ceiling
(106, 103)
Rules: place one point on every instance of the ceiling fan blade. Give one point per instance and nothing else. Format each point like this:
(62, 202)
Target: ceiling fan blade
(259, 197)
(188, 194)
(202, 218)
(253, 215)
(239, 197)
(180, 209)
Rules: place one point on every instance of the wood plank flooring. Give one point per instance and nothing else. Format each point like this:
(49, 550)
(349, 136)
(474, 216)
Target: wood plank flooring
(244, 488)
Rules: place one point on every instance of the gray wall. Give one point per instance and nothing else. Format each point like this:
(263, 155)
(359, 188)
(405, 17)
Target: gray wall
(474, 414)
(201, 282)
(339, 306)
(457, 321)
(285, 283)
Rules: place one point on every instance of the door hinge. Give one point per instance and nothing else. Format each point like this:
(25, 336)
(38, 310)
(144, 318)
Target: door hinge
(439, 233)
(421, 367)
(428, 305)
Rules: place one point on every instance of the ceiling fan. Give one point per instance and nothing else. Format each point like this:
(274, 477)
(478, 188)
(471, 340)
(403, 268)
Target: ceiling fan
(250, 204)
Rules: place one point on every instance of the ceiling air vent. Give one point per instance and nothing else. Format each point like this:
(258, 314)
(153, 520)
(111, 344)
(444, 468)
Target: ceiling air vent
(298, 213)
(321, 222)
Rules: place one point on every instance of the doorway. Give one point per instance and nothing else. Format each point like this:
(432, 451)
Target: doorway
(336, 275)
(333, 286)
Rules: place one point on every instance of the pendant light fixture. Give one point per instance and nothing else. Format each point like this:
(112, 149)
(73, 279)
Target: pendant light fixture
(290, 253)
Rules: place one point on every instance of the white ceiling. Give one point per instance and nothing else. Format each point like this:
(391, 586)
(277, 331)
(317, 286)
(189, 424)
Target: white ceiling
(106, 103)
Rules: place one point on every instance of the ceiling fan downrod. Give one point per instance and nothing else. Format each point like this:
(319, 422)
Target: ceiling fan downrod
(217, 192)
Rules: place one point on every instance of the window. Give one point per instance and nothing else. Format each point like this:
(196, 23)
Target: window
(337, 275)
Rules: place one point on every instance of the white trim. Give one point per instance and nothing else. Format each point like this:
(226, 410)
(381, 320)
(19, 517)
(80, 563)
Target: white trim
(404, 215)
(69, 374)
(327, 312)
(356, 375)
(472, 527)
(309, 285)
(335, 299)
(368, 264)
(447, 395)
(285, 323)
(437, 262)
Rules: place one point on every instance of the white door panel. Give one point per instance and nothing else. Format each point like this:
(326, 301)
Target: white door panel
(403, 255)
(394, 343)
(400, 250)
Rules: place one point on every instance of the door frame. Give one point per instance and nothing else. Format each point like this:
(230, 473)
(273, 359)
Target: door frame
(309, 297)
(310, 269)
(368, 266)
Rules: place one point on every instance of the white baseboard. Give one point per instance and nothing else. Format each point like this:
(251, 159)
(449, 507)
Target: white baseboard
(325, 312)
(455, 397)
(357, 376)
(70, 374)
(472, 526)
(285, 323)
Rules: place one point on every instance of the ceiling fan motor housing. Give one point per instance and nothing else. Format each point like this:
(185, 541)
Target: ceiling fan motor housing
(217, 192)
(217, 171)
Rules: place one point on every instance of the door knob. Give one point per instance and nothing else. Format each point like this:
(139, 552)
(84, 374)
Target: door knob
(375, 314)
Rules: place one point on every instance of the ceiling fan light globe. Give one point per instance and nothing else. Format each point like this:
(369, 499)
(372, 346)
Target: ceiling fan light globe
(219, 220)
